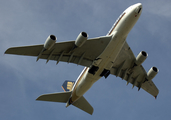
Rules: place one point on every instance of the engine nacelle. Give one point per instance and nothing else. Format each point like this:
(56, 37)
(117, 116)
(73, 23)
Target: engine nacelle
(141, 58)
(50, 41)
(81, 39)
(152, 73)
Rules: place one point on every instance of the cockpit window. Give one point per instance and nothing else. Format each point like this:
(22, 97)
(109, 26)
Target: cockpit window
(139, 10)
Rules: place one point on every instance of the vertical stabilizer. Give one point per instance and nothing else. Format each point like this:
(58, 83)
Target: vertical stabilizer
(68, 85)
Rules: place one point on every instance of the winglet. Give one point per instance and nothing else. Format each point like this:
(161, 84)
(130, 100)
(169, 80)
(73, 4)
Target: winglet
(155, 97)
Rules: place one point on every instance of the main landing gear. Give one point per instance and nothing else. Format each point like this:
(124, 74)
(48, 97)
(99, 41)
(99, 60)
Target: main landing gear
(104, 73)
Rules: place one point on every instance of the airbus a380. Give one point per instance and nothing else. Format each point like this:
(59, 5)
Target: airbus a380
(101, 57)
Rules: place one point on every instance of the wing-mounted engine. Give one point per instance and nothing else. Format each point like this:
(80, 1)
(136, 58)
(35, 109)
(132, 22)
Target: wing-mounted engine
(152, 73)
(141, 57)
(81, 39)
(49, 43)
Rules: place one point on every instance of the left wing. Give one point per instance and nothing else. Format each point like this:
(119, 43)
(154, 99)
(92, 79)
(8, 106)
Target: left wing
(61, 51)
(125, 67)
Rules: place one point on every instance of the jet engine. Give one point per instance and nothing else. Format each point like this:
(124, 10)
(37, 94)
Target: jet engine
(152, 73)
(141, 58)
(81, 39)
(49, 43)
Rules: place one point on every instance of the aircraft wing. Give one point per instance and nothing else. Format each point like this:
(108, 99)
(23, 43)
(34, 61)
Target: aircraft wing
(61, 51)
(123, 67)
(85, 55)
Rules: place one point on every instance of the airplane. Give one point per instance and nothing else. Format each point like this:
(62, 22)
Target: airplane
(101, 57)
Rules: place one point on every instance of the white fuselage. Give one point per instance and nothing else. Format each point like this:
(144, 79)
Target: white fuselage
(105, 60)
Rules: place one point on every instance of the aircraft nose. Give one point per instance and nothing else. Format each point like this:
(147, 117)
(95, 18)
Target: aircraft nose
(138, 8)
(139, 4)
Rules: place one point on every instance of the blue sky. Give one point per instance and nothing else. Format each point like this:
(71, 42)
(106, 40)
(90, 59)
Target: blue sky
(25, 22)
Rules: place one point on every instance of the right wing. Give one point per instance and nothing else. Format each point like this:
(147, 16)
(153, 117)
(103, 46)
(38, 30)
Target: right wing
(61, 51)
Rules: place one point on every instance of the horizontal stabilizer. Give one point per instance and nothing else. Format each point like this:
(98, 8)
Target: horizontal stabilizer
(55, 97)
(83, 104)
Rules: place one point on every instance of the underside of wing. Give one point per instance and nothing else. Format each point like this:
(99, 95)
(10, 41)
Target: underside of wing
(125, 67)
(83, 55)
(25, 50)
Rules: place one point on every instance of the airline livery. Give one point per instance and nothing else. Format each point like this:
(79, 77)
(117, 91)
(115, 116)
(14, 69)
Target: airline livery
(101, 57)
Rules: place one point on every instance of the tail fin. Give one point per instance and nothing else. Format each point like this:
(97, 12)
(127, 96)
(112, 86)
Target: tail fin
(55, 97)
(63, 97)
(83, 104)
(68, 85)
